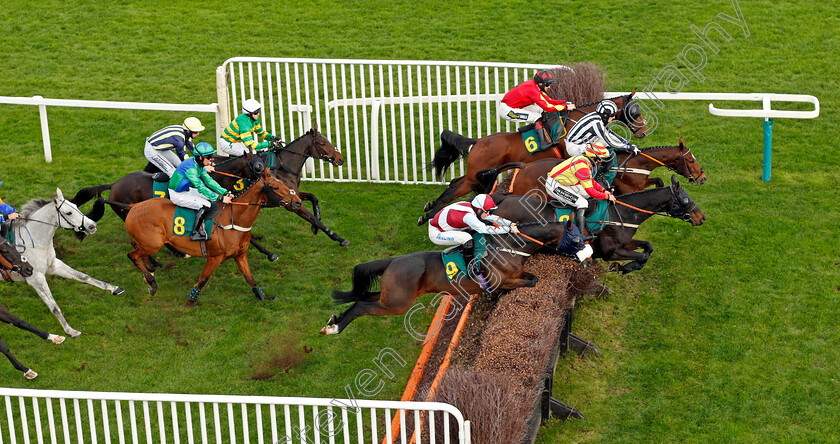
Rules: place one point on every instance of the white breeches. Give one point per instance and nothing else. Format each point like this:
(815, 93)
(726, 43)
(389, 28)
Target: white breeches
(570, 195)
(528, 114)
(448, 237)
(166, 160)
(189, 199)
(231, 149)
(575, 149)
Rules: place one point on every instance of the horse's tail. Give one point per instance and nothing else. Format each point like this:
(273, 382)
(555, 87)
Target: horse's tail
(86, 194)
(97, 211)
(364, 276)
(452, 147)
(486, 178)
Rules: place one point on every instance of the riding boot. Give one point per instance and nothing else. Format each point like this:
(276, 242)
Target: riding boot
(542, 134)
(580, 219)
(473, 269)
(4, 230)
(198, 232)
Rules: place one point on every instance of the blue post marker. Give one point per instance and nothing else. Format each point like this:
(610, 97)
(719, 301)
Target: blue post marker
(768, 144)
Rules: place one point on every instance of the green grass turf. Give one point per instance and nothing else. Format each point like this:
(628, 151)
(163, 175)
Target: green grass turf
(728, 334)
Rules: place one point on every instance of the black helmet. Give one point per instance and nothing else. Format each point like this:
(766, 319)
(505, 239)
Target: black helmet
(543, 77)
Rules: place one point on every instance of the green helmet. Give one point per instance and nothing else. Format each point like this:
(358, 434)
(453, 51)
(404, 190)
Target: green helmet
(204, 149)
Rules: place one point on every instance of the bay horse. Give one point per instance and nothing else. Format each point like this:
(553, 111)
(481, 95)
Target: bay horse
(632, 173)
(33, 233)
(10, 259)
(615, 241)
(498, 149)
(138, 186)
(405, 278)
(149, 224)
(288, 164)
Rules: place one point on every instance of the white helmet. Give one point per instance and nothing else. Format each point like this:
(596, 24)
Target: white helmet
(251, 106)
(193, 124)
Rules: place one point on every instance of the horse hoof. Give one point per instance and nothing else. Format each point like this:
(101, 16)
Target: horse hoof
(117, 291)
(333, 320)
(56, 339)
(273, 257)
(74, 333)
(329, 330)
(344, 242)
(314, 229)
(421, 220)
(30, 374)
(427, 207)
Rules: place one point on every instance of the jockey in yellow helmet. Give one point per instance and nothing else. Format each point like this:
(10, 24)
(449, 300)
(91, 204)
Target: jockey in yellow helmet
(572, 181)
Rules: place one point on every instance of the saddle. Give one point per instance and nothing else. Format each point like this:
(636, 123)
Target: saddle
(184, 220)
(160, 185)
(455, 262)
(554, 122)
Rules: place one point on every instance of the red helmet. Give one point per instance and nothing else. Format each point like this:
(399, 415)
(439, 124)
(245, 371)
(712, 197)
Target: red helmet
(484, 202)
(543, 77)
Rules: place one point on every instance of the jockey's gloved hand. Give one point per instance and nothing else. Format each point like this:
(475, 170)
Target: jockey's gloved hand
(633, 148)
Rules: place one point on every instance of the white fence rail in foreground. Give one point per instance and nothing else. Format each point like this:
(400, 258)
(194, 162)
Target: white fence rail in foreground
(43, 103)
(56, 416)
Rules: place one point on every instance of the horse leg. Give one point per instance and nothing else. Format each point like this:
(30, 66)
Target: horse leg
(59, 268)
(271, 256)
(27, 372)
(139, 258)
(316, 222)
(362, 308)
(316, 209)
(457, 188)
(7, 317)
(39, 282)
(209, 267)
(524, 280)
(242, 263)
(637, 259)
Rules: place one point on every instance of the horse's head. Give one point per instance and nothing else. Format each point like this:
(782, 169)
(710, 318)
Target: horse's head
(11, 259)
(256, 166)
(682, 207)
(70, 217)
(689, 167)
(321, 148)
(278, 194)
(630, 114)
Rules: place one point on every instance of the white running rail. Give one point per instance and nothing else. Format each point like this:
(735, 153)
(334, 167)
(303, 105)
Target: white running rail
(56, 416)
(43, 103)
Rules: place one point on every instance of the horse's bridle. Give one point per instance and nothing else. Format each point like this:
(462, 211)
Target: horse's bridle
(272, 196)
(694, 176)
(14, 267)
(677, 210)
(316, 145)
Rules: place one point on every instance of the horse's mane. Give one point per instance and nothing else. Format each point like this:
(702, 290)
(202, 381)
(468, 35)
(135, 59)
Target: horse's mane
(32, 206)
(584, 82)
(659, 147)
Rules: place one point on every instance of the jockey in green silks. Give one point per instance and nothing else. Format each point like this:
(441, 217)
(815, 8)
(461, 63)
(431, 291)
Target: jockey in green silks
(192, 187)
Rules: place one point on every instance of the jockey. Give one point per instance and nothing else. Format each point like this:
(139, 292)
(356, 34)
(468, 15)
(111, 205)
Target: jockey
(240, 135)
(450, 225)
(593, 126)
(6, 210)
(527, 102)
(160, 145)
(572, 183)
(192, 187)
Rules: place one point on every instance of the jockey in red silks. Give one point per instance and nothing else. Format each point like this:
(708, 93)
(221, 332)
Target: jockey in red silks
(452, 225)
(528, 102)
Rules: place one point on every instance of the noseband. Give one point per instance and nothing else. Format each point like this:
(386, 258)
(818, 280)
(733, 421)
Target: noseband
(78, 229)
(273, 198)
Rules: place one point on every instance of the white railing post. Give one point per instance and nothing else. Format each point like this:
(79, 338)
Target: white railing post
(223, 108)
(306, 113)
(45, 130)
(374, 141)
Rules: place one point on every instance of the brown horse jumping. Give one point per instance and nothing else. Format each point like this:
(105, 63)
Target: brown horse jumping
(405, 278)
(149, 224)
(498, 149)
(633, 172)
